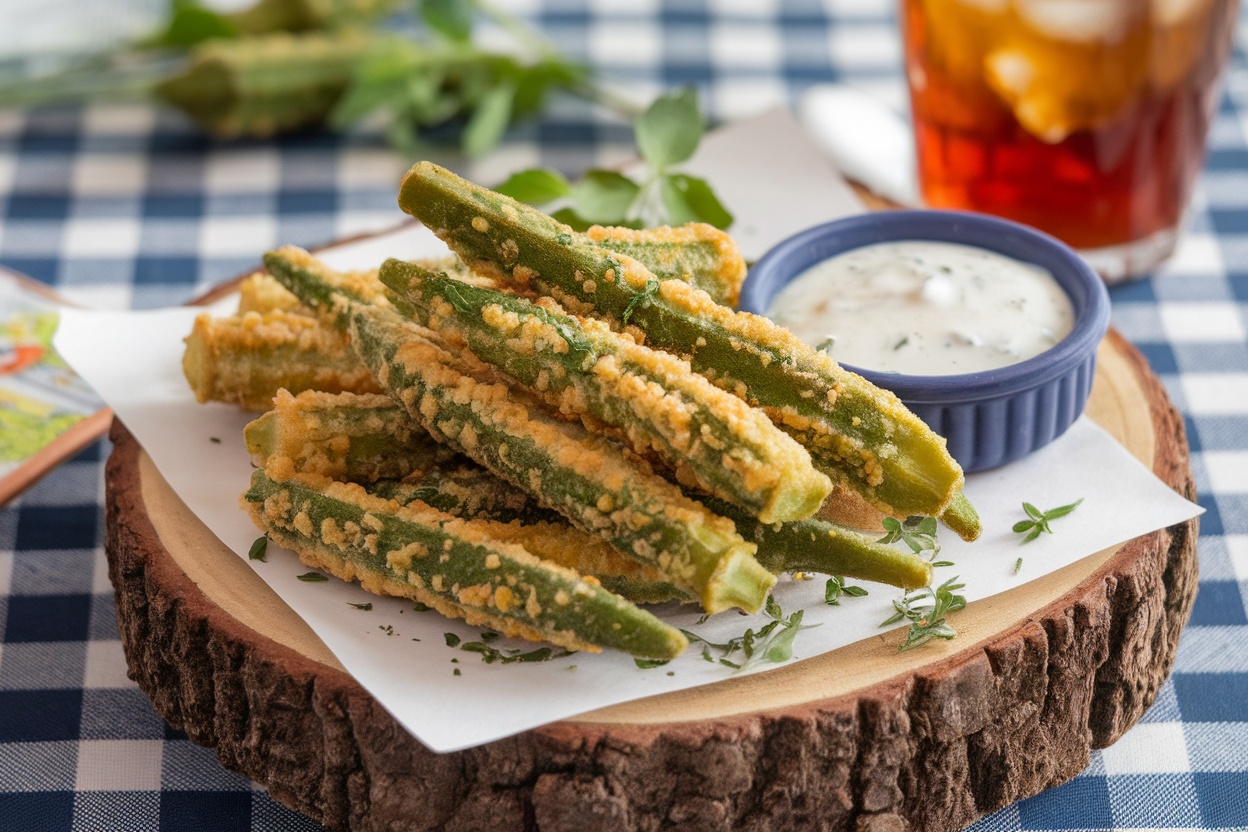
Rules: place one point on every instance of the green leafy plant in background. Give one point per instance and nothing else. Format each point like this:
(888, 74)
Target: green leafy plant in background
(667, 134)
(285, 65)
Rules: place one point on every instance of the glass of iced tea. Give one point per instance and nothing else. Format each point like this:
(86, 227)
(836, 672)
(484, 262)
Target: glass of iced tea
(1084, 118)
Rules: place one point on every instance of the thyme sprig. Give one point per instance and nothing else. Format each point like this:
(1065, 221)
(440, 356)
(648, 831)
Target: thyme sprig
(918, 533)
(836, 587)
(1039, 520)
(772, 642)
(927, 620)
(505, 655)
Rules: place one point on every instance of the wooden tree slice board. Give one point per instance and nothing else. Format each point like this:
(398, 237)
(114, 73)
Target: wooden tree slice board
(861, 739)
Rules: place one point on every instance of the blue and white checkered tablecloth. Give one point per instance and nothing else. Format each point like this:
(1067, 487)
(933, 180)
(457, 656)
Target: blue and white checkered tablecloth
(130, 207)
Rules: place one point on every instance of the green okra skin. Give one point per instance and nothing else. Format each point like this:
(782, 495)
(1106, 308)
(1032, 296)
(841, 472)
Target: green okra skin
(861, 436)
(353, 438)
(330, 293)
(705, 434)
(962, 518)
(819, 546)
(589, 480)
(444, 562)
(505, 513)
(247, 359)
(697, 253)
(465, 490)
(264, 85)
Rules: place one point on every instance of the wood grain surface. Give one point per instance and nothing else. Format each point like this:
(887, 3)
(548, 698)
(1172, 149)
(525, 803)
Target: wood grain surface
(862, 738)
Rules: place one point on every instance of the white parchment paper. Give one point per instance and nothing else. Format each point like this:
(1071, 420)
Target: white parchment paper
(402, 657)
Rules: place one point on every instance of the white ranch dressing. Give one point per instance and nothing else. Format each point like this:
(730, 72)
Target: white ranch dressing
(925, 308)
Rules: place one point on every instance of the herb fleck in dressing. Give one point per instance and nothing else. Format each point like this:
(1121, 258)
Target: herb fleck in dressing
(925, 308)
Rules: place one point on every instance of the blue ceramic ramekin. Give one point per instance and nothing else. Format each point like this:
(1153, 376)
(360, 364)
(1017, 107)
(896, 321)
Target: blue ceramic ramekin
(990, 417)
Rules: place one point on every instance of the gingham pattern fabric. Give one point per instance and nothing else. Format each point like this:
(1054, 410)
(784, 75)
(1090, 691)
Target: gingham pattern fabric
(130, 207)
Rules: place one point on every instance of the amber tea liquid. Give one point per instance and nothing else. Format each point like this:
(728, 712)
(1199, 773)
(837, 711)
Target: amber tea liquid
(1084, 118)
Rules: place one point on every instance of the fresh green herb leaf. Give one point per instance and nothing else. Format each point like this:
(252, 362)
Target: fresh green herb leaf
(365, 606)
(646, 664)
(450, 18)
(669, 131)
(1039, 520)
(488, 123)
(918, 533)
(780, 648)
(927, 620)
(259, 548)
(536, 186)
(835, 588)
(690, 199)
(827, 344)
(313, 578)
(772, 642)
(604, 197)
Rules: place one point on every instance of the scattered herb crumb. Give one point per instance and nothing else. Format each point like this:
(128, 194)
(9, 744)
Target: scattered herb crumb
(419, 607)
(216, 440)
(646, 664)
(570, 667)
(366, 606)
(1018, 564)
(1039, 520)
(457, 673)
(452, 640)
(313, 578)
(489, 635)
(671, 673)
(259, 549)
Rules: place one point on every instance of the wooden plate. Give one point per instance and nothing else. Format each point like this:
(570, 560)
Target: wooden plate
(862, 738)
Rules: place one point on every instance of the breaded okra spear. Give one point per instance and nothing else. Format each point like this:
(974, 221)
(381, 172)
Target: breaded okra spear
(465, 490)
(861, 436)
(550, 538)
(246, 359)
(696, 253)
(710, 437)
(590, 480)
(416, 552)
(342, 437)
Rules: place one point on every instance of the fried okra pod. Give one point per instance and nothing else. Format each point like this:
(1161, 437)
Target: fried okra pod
(697, 253)
(590, 480)
(860, 435)
(246, 359)
(416, 552)
(708, 436)
(342, 437)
